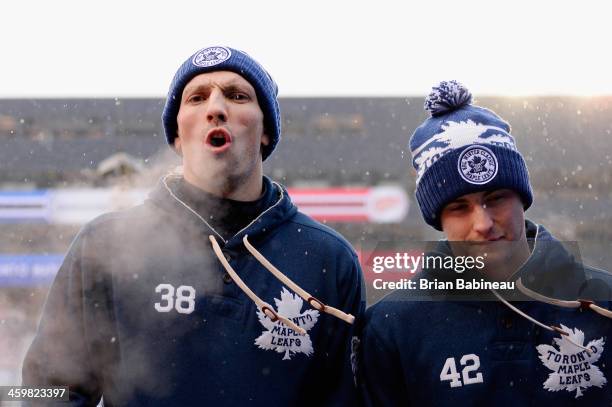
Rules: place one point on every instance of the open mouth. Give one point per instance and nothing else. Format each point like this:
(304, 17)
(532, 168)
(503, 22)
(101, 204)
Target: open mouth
(218, 139)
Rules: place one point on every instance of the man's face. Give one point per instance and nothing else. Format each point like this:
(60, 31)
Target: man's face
(492, 221)
(220, 135)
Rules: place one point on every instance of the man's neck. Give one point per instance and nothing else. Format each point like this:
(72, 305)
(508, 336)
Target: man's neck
(225, 216)
(520, 253)
(236, 190)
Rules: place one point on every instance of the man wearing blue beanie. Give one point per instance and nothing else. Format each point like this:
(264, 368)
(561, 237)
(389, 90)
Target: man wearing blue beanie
(456, 338)
(205, 294)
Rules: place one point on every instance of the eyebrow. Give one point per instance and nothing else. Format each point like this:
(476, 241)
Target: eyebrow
(458, 200)
(231, 85)
(495, 191)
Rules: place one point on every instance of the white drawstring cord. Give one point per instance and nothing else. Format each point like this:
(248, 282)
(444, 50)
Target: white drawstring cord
(535, 321)
(563, 303)
(314, 302)
(262, 305)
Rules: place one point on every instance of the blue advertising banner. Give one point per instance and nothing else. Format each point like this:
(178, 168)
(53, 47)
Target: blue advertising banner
(29, 269)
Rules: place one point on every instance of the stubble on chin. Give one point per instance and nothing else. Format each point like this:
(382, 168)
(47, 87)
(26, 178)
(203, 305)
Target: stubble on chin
(227, 185)
(230, 179)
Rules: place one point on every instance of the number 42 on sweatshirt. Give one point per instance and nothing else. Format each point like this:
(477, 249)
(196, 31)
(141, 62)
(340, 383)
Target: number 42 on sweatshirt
(469, 373)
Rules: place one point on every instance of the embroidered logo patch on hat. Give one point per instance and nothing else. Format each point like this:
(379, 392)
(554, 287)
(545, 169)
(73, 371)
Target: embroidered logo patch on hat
(477, 165)
(211, 56)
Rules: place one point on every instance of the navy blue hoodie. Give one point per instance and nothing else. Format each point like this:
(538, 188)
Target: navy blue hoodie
(481, 353)
(143, 313)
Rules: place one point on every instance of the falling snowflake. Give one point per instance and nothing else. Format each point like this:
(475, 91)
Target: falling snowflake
(573, 368)
(279, 337)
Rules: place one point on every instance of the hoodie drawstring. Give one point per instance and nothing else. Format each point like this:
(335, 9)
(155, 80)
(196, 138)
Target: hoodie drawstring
(584, 304)
(535, 321)
(265, 307)
(314, 302)
(262, 305)
(561, 303)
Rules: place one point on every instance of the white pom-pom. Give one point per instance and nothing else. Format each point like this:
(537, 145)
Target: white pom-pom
(446, 97)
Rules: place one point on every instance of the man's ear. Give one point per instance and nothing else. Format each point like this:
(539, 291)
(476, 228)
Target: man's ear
(265, 140)
(177, 146)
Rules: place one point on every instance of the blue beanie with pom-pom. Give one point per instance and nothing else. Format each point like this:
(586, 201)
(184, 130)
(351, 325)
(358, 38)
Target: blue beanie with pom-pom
(462, 149)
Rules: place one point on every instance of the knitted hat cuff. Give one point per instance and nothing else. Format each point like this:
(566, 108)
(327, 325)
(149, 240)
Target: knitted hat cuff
(442, 182)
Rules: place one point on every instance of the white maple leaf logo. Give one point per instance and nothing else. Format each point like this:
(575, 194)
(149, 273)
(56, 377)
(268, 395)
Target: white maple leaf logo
(573, 368)
(279, 337)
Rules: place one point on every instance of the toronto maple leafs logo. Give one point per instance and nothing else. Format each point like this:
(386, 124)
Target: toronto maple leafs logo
(573, 368)
(477, 165)
(279, 337)
(211, 56)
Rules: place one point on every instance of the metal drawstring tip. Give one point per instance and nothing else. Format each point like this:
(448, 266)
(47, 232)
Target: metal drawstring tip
(559, 330)
(585, 304)
(567, 338)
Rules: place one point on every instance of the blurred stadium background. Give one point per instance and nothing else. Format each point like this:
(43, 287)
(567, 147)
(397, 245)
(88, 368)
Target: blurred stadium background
(345, 160)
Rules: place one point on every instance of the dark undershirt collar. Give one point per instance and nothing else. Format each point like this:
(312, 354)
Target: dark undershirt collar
(226, 216)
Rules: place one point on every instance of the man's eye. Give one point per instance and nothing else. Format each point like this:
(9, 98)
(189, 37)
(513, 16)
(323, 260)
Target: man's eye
(239, 97)
(196, 98)
(495, 199)
(456, 207)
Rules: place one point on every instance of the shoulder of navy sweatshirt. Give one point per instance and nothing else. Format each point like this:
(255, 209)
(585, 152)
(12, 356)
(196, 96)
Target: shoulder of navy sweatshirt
(142, 312)
(481, 352)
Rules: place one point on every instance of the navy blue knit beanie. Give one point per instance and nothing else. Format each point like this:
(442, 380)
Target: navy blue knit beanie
(226, 59)
(461, 149)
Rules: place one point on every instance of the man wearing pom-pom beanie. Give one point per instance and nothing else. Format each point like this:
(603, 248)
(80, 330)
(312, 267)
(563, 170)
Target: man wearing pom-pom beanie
(169, 303)
(531, 343)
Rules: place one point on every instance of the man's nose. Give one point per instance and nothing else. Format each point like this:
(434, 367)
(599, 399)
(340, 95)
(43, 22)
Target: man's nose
(216, 111)
(482, 221)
